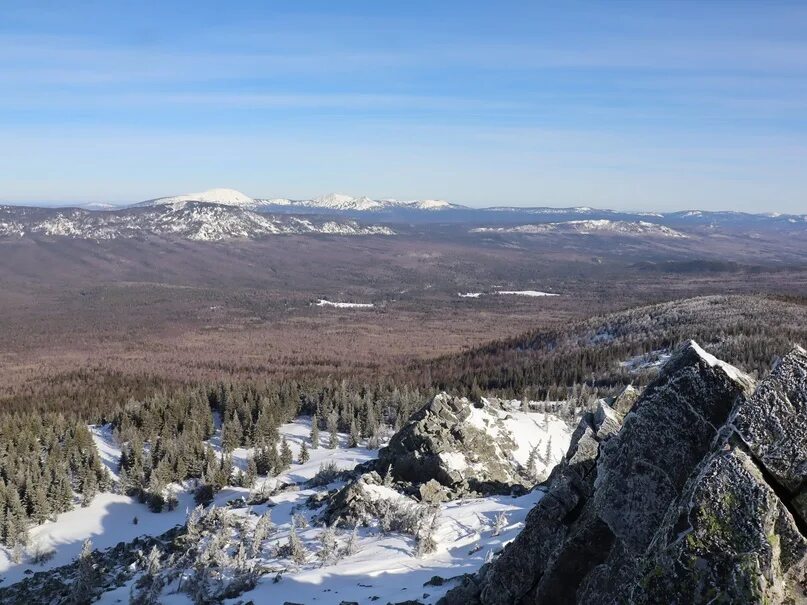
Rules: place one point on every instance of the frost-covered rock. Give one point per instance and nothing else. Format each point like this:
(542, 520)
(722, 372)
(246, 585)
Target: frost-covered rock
(739, 530)
(365, 501)
(586, 540)
(469, 447)
(773, 424)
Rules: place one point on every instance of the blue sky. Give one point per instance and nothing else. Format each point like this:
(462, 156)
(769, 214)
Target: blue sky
(637, 105)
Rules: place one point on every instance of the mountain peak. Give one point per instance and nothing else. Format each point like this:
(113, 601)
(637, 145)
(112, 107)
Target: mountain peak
(220, 195)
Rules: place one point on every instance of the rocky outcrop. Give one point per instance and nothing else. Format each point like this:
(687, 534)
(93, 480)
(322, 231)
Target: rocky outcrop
(739, 531)
(364, 501)
(462, 446)
(698, 498)
(452, 448)
(773, 425)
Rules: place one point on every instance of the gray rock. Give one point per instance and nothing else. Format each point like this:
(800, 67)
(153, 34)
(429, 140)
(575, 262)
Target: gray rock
(585, 541)
(731, 539)
(773, 424)
(438, 444)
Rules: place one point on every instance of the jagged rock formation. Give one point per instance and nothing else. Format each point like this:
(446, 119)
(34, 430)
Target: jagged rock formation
(739, 531)
(441, 442)
(448, 449)
(697, 499)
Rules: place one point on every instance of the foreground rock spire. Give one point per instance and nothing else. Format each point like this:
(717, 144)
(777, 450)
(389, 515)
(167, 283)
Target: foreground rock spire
(699, 497)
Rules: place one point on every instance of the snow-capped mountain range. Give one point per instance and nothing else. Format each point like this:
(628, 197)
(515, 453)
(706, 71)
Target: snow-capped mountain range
(331, 201)
(187, 219)
(222, 213)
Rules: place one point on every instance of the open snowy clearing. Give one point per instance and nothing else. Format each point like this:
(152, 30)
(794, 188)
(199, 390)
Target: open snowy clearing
(344, 305)
(531, 293)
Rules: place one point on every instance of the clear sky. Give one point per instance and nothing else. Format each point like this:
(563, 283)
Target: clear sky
(636, 105)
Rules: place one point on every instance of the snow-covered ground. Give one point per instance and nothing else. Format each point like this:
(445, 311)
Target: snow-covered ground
(344, 305)
(534, 293)
(531, 293)
(384, 567)
(654, 359)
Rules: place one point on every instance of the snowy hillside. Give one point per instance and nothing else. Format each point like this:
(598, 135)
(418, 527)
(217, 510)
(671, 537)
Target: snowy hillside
(198, 221)
(343, 202)
(330, 201)
(223, 196)
(589, 227)
(277, 542)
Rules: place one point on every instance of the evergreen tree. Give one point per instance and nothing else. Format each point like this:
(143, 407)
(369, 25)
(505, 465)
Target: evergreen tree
(314, 432)
(296, 547)
(328, 546)
(352, 546)
(353, 440)
(286, 456)
(86, 581)
(304, 455)
(150, 584)
(251, 473)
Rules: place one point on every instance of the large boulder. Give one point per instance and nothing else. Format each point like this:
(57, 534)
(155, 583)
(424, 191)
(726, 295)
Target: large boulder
(465, 447)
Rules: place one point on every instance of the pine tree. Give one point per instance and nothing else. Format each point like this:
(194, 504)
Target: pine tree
(548, 452)
(150, 583)
(314, 433)
(251, 473)
(532, 463)
(333, 427)
(296, 547)
(352, 546)
(38, 503)
(425, 542)
(354, 437)
(304, 455)
(286, 457)
(86, 582)
(263, 528)
(15, 530)
(327, 543)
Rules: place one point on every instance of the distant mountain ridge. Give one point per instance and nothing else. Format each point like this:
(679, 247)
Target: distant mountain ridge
(330, 201)
(589, 227)
(184, 219)
(502, 221)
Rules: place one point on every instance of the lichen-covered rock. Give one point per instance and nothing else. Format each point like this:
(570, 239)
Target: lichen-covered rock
(739, 533)
(731, 540)
(586, 539)
(773, 424)
(624, 402)
(460, 446)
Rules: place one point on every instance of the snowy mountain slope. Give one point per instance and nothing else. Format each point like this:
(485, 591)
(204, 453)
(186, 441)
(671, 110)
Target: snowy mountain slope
(328, 202)
(197, 221)
(589, 227)
(221, 195)
(339, 202)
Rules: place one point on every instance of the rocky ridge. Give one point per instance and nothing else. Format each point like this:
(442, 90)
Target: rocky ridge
(695, 496)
